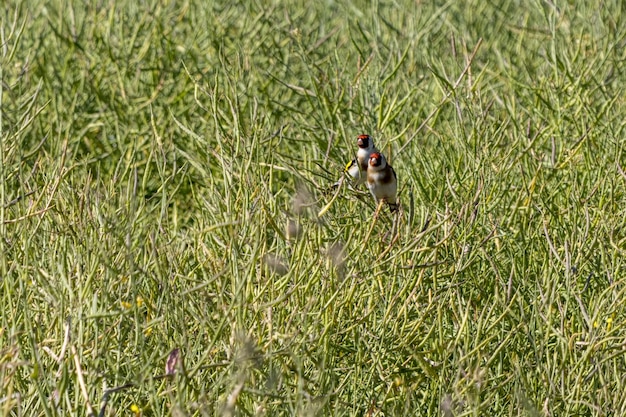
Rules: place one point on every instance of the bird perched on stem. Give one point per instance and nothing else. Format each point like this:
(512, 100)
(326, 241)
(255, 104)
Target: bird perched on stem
(357, 168)
(382, 180)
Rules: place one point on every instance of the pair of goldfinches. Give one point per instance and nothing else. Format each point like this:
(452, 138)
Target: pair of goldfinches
(371, 167)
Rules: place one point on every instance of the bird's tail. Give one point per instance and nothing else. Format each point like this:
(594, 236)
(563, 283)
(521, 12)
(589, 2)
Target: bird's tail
(331, 189)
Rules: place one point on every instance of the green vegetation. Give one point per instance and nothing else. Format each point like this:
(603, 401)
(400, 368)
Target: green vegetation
(163, 165)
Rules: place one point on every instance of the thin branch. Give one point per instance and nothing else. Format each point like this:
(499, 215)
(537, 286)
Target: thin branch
(448, 94)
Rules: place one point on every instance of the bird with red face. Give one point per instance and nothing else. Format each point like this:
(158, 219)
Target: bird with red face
(382, 180)
(357, 168)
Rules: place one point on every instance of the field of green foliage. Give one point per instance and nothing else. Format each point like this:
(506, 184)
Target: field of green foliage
(170, 244)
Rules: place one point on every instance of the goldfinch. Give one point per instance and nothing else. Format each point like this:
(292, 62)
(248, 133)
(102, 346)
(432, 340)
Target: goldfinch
(382, 181)
(357, 168)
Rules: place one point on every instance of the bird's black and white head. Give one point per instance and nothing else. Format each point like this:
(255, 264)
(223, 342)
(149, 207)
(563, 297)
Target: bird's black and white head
(365, 142)
(377, 161)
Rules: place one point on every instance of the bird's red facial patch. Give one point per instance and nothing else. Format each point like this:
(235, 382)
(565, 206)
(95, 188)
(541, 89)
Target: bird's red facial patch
(375, 159)
(363, 141)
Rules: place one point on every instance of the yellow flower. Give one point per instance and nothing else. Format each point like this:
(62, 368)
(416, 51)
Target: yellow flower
(135, 409)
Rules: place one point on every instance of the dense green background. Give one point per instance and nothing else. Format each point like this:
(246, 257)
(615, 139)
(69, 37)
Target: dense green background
(157, 159)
